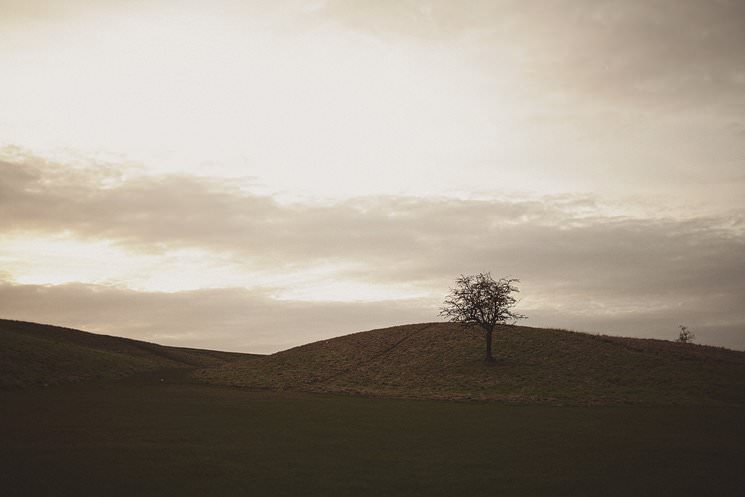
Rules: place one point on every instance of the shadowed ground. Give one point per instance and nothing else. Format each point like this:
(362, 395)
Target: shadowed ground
(149, 438)
(34, 355)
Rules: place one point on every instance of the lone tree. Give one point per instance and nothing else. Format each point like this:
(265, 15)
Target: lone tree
(479, 300)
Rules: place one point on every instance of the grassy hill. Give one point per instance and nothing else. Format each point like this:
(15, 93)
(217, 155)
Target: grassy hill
(445, 361)
(432, 361)
(149, 438)
(36, 354)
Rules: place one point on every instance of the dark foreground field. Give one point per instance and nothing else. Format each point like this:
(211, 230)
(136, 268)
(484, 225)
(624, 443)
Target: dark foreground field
(142, 437)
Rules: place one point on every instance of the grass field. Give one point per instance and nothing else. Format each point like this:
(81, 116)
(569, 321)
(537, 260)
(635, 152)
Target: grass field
(143, 437)
(435, 361)
(534, 365)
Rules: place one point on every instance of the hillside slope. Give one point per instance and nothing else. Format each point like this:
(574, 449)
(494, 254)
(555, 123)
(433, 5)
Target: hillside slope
(37, 354)
(445, 361)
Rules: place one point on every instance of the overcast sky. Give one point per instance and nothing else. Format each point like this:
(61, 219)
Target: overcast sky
(255, 175)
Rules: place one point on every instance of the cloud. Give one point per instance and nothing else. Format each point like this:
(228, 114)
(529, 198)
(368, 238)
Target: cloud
(228, 319)
(662, 52)
(579, 268)
(407, 237)
(618, 98)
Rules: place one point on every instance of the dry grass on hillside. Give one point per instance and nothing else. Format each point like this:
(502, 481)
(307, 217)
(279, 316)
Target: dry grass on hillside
(445, 361)
(36, 354)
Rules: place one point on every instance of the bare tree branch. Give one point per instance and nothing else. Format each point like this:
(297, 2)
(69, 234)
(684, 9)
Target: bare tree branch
(481, 301)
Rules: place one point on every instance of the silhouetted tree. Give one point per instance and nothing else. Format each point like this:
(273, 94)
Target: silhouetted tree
(685, 335)
(479, 300)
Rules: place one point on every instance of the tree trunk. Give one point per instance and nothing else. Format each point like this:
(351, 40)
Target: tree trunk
(489, 357)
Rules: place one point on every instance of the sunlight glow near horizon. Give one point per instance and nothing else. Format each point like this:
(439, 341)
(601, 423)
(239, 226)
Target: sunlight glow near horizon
(62, 259)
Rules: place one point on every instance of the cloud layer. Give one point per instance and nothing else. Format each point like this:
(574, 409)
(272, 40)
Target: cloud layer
(660, 52)
(619, 98)
(579, 269)
(231, 319)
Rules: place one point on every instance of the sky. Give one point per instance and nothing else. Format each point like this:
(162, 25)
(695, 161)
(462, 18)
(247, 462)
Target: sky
(252, 176)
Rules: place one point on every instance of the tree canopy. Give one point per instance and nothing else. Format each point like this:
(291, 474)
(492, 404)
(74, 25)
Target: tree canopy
(482, 301)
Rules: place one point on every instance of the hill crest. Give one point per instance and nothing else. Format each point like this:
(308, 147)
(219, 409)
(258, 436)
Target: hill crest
(426, 360)
(534, 365)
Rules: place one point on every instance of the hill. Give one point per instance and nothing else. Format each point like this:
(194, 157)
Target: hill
(37, 354)
(445, 361)
(431, 360)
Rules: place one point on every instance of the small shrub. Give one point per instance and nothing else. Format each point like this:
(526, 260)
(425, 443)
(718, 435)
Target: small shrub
(685, 335)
